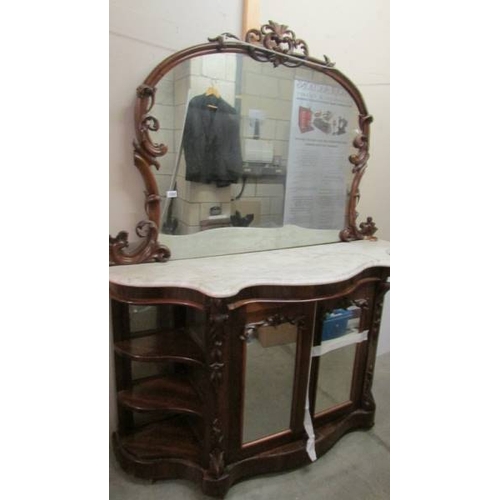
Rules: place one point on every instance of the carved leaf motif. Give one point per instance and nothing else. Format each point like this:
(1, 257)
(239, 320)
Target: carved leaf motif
(277, 37)
(147, 92)
(216, 454)
(217, 463)
(274, 320)
(216, 332)
(368, 228)
(120, 239)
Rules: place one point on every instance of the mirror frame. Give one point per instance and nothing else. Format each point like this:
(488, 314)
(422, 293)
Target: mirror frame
(272, 43)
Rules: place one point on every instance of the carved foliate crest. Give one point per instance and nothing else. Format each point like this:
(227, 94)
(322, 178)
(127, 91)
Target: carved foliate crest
(280, 39)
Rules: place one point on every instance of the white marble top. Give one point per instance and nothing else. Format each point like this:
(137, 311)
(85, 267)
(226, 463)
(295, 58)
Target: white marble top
(225, 276)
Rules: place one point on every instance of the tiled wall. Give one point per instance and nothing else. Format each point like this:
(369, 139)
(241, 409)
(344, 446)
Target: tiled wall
(193, 78)
(269, 89)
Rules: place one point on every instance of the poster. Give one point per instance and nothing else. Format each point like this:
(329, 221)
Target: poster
(318, 154)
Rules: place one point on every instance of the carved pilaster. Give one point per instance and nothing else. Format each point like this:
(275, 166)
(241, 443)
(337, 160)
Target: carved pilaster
(216, 455)
(367, 400)
(217, 338)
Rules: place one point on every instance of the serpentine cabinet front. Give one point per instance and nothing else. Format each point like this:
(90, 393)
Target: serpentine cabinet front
(217, 389)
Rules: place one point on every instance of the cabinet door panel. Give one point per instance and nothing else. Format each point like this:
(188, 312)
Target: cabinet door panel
(276, 354)
(269, 382)
(335, 378)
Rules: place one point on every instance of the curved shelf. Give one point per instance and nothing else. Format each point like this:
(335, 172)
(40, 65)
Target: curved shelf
(172, 438)
(169, 345)
(162, 394)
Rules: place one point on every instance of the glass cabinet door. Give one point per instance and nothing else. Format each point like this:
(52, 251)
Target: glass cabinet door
(269, 381)
(275, 368)
(335, 378)
(339, 333)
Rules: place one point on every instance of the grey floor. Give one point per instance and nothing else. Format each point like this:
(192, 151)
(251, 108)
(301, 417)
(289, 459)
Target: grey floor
(356, 468)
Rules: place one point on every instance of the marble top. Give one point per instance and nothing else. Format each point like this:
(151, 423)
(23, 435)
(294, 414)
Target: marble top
(225, 276)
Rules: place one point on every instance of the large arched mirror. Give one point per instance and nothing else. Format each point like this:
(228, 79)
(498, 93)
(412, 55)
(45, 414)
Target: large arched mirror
(247, 146)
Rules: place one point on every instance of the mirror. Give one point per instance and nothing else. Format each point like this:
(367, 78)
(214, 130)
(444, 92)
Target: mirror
(269, 378)
(259, 151)
(335, 378)
(247, 146)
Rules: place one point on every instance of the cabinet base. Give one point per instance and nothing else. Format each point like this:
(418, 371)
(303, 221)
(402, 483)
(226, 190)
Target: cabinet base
(289, 456)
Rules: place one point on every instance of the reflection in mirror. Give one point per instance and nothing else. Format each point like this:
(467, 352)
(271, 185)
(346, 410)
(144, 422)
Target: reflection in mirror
(142, 318)
(335, 378)
(256, 152)
(269, 376)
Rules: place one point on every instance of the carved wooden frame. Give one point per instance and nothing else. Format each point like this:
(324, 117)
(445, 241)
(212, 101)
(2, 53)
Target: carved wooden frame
(273, 43)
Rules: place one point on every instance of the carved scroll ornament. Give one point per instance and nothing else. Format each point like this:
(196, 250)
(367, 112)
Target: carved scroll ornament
(149, 250)
(361, 142)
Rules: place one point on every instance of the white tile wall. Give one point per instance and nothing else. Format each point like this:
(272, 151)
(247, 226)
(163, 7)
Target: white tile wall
(185, 229)
(271, 221)
(257, 84)
(164, 114)
(270, 190)
(165, 90)
(205, 209)
(282, 130)
(279, 72)
(181, 87)
(189, 213)
(276, 206)
(163, 181)
(251, 65)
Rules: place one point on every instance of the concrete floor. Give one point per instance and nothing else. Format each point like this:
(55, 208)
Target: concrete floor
(356, 468)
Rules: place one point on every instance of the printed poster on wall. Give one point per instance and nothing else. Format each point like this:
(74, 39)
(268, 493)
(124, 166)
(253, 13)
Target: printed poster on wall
(318, 156)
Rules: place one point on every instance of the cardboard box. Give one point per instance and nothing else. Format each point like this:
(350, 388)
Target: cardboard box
(270, 336)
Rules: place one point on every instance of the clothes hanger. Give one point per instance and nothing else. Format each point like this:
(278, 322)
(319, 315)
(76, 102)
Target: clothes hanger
(212, 91)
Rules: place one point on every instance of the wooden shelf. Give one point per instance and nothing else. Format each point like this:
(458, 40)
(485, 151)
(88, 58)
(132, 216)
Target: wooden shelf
(169, 345)
(172, 438)
(172, 394)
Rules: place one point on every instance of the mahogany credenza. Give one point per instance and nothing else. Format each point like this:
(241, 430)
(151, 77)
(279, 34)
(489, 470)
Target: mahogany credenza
(221, 371)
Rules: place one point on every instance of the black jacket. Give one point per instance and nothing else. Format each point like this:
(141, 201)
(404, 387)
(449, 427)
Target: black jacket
(211, 141)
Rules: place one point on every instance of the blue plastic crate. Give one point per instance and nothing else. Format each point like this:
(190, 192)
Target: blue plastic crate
(335, 324)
